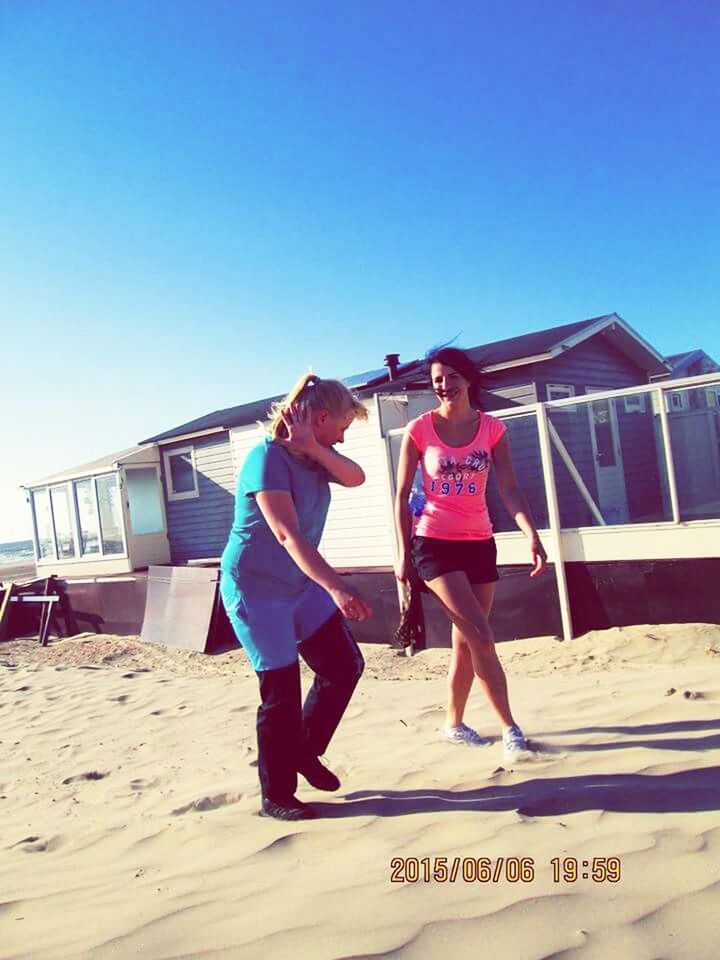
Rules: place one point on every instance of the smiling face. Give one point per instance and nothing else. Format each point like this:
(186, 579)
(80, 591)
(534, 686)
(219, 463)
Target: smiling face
(448, 384)
(329, 428)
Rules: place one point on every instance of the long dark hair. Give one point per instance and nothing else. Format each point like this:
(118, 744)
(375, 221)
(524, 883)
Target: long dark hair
(461, 363)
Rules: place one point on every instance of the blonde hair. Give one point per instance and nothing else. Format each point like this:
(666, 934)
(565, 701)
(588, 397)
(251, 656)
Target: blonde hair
(311, 393)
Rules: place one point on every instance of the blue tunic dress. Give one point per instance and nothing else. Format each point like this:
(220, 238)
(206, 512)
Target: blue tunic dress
(271, 604)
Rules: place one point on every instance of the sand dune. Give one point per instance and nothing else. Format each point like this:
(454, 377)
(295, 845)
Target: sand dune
(128, 801)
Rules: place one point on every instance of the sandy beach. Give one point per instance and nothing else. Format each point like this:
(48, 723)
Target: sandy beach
(129, 797)
(20, 571)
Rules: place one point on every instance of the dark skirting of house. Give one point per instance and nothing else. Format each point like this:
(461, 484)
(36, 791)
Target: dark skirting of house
(602, 595)
(622, 593)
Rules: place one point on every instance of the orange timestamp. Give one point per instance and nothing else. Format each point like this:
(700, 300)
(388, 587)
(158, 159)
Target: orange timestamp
(501, 869)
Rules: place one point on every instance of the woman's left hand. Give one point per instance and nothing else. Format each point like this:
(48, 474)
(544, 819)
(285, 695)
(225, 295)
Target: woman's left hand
(539, 557)
(301, 437)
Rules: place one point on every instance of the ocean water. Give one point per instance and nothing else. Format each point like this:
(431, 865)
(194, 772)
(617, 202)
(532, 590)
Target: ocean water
(16, 551)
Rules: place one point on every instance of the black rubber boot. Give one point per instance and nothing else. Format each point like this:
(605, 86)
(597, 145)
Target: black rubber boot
(318, 775)
(290, 809)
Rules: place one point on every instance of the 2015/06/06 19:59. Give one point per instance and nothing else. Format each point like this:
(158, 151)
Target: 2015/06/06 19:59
(508, 869)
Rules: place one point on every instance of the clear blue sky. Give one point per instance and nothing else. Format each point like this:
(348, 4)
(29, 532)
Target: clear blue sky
(200, 199)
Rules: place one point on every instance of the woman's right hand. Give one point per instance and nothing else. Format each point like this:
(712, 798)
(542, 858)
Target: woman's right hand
(351, 604)
(402, 569)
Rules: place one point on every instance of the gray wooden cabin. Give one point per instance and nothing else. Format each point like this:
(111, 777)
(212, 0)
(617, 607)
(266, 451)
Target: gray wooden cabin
(200, 459)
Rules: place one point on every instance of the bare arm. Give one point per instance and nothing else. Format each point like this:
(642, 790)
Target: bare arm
(407, 466)
(516, 503)
(278, 509)
(342, 469)
(300, 438)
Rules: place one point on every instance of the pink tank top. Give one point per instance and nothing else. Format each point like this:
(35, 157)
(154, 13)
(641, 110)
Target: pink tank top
(454, 480)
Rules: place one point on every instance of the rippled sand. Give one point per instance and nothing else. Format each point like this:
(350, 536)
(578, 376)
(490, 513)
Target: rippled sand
(129, 827)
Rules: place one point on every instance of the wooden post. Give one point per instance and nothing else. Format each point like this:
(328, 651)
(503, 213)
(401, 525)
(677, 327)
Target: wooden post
(5, 608)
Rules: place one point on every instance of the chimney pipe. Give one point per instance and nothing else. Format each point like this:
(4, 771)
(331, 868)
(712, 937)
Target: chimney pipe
(392, 362)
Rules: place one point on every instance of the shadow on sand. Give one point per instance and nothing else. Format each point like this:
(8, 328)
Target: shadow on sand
(688, 791)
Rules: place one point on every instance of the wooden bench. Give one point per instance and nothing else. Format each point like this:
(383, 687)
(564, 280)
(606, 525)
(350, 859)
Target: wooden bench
(28, 593)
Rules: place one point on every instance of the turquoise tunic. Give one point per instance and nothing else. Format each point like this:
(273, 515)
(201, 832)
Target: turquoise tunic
(272, 605)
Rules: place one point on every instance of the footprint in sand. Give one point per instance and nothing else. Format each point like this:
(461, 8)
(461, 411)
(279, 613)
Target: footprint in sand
(123, 698)
(142, 783)
(22, 689)
(38, 844)
(208, 803)
(90, 775)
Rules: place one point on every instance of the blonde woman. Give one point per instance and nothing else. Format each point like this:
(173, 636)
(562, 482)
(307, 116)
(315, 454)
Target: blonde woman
(282, 598)
(453, 549)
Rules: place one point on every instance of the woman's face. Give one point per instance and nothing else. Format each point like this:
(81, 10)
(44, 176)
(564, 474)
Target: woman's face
(329, 428)
(447, 383)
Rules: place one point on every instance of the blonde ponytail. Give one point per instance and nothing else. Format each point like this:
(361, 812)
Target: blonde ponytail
(311, 393)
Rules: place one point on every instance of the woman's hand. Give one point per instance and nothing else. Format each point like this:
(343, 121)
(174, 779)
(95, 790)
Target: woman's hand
(351, 604)
(402, 569)
(301, 437)
(539, 557)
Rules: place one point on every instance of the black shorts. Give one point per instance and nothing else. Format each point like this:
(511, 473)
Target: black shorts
(476, 558)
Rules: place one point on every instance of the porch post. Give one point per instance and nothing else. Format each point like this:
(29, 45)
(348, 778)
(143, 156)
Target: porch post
(669, 462)
(554, 519)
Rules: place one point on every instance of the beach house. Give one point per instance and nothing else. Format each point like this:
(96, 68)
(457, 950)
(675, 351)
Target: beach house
(594, 413)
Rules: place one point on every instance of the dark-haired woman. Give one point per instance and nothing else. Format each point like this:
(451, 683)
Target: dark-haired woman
(453, 549)
(282, 598)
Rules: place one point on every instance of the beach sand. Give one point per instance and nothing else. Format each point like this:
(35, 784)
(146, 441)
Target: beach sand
(129, 827)
(21, 571)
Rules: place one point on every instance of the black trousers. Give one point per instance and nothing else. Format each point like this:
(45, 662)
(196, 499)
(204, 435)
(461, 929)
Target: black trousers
(288, 731)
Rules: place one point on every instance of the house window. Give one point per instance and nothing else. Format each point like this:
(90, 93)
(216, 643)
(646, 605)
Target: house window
(712, 395)
(110, 510)
(678, 400)
(64, 535)
(180, 473)
(88, 524)
(635, 403)
(79, 519)
(44, 537)
(144, 499)
(561, 391)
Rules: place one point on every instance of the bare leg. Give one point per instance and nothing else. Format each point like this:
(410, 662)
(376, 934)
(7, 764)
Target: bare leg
(461, 673)
(466, 612)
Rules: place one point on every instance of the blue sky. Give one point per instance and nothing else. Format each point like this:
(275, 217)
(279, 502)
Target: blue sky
(201, 199)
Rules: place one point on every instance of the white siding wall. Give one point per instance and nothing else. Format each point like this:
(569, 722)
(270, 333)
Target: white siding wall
(242, 440)
(358, 532)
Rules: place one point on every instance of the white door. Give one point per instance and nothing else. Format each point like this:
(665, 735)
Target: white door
(605, 438)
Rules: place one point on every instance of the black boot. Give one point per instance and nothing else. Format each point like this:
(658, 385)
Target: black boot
(318, 775)
(290, 809)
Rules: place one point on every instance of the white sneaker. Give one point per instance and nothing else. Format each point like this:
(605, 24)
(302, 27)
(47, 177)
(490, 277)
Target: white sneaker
(515, 746)
(463, 736)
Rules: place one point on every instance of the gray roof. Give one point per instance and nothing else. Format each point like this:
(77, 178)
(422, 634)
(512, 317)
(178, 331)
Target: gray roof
(682, 363)
(137, 455)
(410, 375)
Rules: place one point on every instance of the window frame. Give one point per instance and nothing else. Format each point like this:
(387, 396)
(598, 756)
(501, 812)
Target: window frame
(570, 407)
(46, 490)
(684, 398)
(188, 494)
(712, 392)
(78, 556)
(635, 403)
(67, 486)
